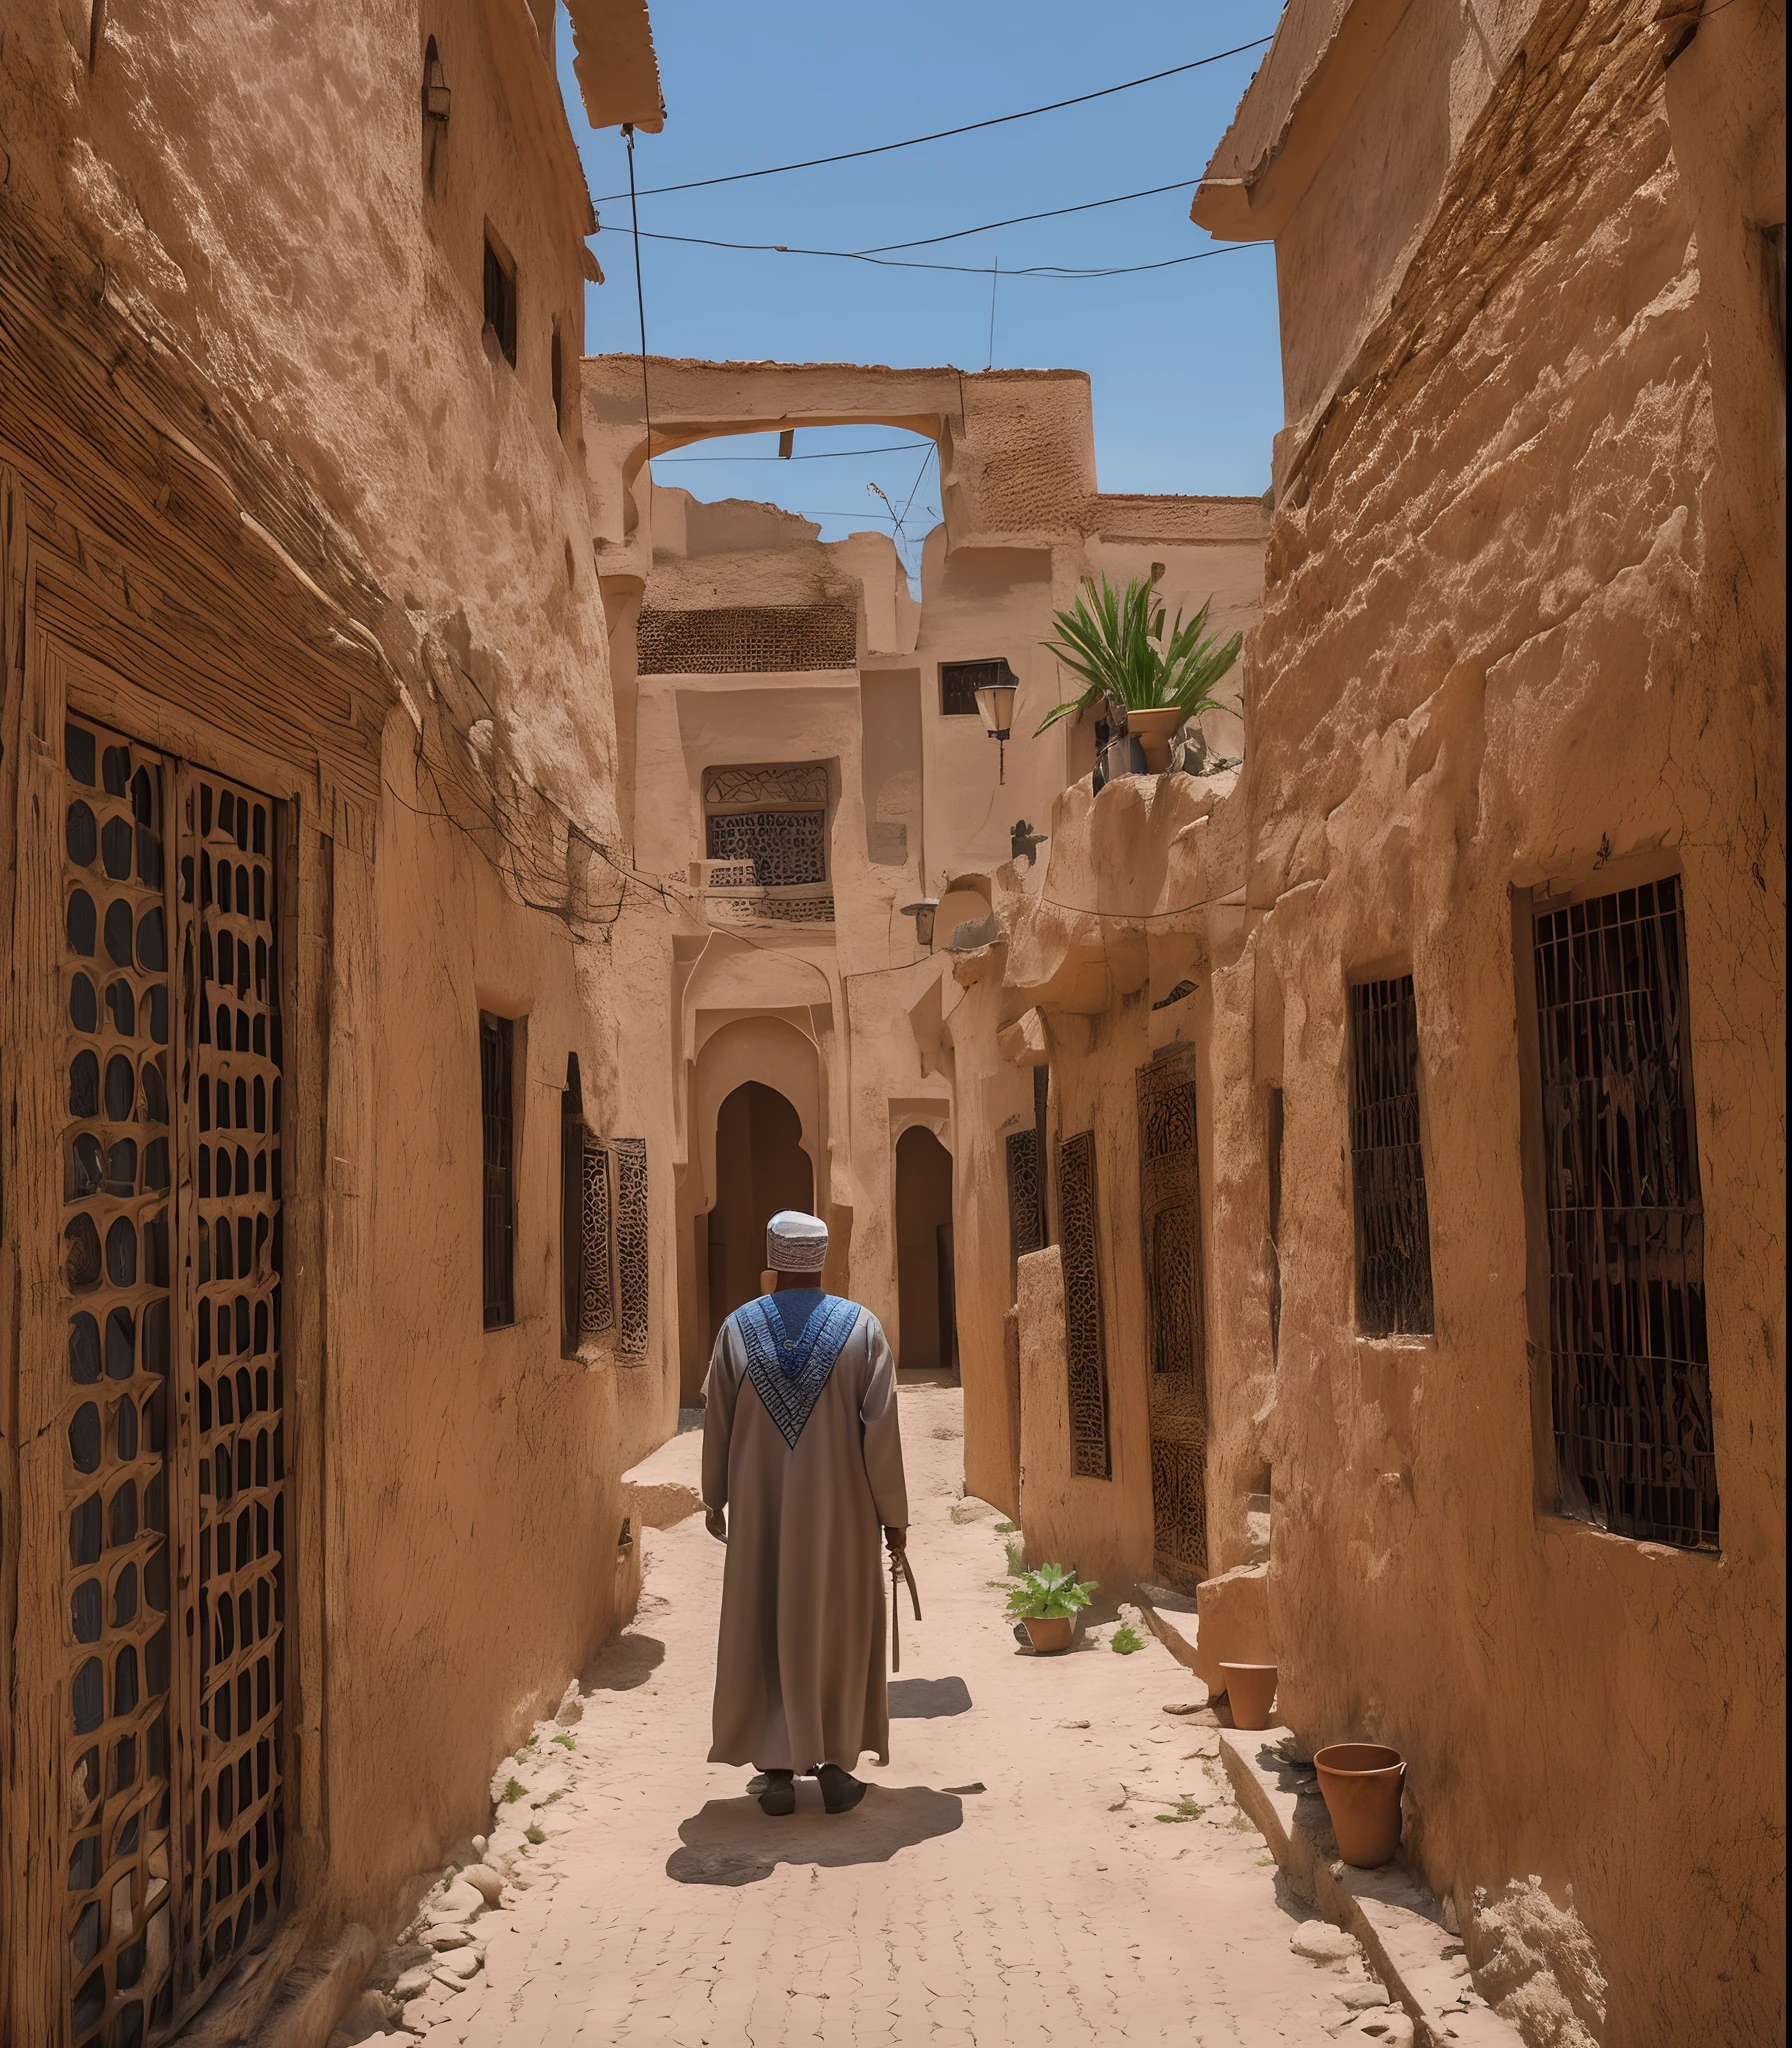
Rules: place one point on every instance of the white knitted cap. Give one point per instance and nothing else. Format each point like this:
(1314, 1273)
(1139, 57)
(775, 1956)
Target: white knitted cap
(795, 1243)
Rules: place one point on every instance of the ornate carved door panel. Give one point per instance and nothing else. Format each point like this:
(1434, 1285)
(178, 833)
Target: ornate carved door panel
(1175, 1308)
(115, 1767)
(231, 1401)
(169, 1822)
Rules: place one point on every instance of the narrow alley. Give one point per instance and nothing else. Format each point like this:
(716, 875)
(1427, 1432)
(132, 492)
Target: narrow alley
(1048, 1858)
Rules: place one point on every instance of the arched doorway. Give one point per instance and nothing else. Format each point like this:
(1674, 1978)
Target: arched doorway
(924, 1293)
(761, 1168)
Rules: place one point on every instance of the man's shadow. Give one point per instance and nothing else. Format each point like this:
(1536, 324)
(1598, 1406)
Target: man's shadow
(928, 1699)
(731, 1842)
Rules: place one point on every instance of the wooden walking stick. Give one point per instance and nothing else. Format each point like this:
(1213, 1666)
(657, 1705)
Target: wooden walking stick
(899, 1570)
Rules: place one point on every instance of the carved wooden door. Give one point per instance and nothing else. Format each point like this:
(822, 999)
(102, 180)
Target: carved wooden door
(166, 1734)
(1175, 1309)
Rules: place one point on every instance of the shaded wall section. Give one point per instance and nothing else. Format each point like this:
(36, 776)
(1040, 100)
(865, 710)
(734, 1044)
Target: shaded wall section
(760, 1168)
(928, 1339)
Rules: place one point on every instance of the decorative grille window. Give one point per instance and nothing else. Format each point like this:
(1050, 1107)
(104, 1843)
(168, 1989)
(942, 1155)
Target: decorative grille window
(773, 822)
(758, 639)
(633, 1264)
(1393, 1230)
(597, 1285)
(1084, 1344)
(1026, 1210)
(1170, 1248)
(1630, 1378)
(496, 1042)
(961, 680)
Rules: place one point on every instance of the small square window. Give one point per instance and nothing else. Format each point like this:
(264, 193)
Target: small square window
(500, 297)
(961, 680)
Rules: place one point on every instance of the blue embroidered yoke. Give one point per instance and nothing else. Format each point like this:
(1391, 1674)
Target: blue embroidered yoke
(789, 1361)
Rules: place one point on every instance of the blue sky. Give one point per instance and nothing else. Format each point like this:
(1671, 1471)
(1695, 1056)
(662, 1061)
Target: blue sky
(1184, 362)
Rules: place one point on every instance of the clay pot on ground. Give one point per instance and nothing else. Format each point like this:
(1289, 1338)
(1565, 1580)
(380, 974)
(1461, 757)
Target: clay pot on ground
(1152, 730)
(1361, 1785)
(1250, 1691)
(1051, 1634)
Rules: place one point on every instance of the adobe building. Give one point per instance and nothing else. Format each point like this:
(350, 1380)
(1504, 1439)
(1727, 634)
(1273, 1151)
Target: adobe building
(803, 761)
(1414, 1126)
(308, 1469)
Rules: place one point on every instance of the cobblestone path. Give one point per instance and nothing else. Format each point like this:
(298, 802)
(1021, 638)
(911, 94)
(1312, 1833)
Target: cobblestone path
(1006, 1881)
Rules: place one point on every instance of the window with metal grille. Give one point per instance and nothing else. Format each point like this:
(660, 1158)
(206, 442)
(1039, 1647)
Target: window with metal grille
(500, 296)
(1630, 1380)
(572, 1170)
(1275, 1223)
(1085, 1343)
(497, 1037)
(1393, 1229)
(772, 818)
(961, 680)
(1026, 1211)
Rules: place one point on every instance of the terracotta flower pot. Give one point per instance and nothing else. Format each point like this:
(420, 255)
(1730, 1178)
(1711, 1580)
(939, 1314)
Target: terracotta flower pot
(1053, 1634)
(1361, 1784)
(1250, 1689)
(1152, 730)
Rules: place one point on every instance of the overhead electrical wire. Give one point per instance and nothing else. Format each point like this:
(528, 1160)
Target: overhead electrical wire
(944, 134)
(1049, 270)
(1021, 219)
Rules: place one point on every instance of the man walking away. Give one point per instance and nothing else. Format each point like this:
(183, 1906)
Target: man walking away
(801, 1448)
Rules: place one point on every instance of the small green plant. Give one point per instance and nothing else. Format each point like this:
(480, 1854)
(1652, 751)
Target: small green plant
(1016, 1553)
(534, 1834)
(565, 1741)
(1115, 642)
(1048, 1594)
(1125, 1640)
(1186, 1808)
(1007, 1528)
(513, 1792)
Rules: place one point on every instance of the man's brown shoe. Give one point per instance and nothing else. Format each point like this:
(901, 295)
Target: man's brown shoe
(840, 1790)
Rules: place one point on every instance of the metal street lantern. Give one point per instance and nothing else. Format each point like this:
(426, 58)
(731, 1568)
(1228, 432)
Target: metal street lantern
(995, 700)
(923, 914)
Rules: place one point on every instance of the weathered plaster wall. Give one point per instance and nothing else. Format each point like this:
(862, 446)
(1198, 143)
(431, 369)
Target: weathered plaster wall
(1523, 623)
(1509, 636)
(255, 193)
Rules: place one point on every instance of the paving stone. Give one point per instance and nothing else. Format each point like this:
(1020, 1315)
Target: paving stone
(665, 1909)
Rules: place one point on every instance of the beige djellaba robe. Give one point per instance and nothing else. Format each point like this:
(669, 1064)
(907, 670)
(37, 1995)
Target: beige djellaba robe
(800, 1654)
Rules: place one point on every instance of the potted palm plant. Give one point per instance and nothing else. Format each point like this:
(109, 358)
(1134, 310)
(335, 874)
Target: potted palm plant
(1116, 642)
(1047, 1601)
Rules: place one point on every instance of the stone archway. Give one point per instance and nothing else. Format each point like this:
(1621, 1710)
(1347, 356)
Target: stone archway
(926, 1307)
(761, 1168)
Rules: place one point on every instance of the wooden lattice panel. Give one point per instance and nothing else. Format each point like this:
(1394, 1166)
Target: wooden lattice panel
(1170, 1247)
(1084, 1344)
(115, 1772)
(1179, 1500)
(231, 1111)
(1629, 1366)
(746, 639)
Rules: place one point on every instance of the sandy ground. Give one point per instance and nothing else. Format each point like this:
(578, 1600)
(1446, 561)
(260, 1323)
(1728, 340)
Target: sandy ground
(1006, 1880)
